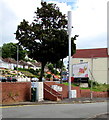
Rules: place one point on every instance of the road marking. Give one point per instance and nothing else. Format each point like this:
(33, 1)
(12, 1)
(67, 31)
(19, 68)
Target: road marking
(11, 106)
(16, 106)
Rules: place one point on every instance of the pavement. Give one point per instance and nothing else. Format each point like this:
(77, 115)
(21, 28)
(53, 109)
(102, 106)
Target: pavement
(64, 101)
(104, 116)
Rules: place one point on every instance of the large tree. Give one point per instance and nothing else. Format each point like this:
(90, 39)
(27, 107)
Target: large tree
(9, 50)
(46, 37)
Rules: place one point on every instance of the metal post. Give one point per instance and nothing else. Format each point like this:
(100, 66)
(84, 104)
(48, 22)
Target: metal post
(17, 58)
(69, 33)
(91, 77)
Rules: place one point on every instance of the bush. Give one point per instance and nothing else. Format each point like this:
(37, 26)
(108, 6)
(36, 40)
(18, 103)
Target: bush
(34, 72)
(48, 76)
(94, 83)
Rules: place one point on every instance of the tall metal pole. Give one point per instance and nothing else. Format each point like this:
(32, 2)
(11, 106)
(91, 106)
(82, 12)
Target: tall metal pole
(91, 77)
(69, 33)
(17, 58)
(108, 26)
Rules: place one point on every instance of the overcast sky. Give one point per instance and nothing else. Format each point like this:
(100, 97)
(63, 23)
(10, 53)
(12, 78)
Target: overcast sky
(89, 19)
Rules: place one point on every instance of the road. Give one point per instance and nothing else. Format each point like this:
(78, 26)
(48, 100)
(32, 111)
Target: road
(55, 111)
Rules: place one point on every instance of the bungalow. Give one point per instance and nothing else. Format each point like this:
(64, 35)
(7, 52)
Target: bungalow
(98, 62)
(35, 65)
(8, 63)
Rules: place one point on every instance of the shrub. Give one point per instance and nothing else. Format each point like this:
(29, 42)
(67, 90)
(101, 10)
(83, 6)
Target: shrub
(94, 83)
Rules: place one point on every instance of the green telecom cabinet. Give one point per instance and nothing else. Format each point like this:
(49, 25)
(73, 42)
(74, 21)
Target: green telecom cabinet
(33, 94)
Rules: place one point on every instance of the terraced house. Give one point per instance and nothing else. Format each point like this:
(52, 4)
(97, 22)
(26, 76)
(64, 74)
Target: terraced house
(98, 62)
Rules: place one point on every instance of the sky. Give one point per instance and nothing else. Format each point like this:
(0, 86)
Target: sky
(89, 19)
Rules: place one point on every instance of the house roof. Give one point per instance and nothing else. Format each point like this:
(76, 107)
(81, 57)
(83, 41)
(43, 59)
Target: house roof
(21, 62)
(89, 53)
(37, 64)
(10, 60)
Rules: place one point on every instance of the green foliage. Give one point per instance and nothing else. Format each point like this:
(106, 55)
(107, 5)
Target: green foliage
(96, 86)
(32, 71)
(9, 50)
(46, 37)
(48, 76)
(50, 67)
(27, 73)
(94, 83)
(73, 84)
(101, 87)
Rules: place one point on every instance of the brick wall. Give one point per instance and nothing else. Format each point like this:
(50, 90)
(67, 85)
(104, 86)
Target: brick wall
(15, 91)
(11, 92)
(64, 91)
(80, 93)
(51, 92)
(87, 93)
(49, 96)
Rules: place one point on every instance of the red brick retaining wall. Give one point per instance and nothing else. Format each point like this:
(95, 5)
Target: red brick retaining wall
(87, 93)
(15, 91)
(11, 92)
(64, 91)
(80, 93)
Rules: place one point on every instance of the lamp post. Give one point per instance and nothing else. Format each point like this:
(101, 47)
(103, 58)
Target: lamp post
(91, 94)
(69, 33)
(17, 58)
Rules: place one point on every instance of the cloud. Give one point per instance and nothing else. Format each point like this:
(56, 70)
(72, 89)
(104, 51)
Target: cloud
(8, 20)
(13, 12)
(89, 19)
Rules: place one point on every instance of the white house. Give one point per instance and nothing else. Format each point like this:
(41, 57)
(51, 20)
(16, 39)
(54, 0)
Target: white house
(35, 65)
(8, 63)
(98, 61)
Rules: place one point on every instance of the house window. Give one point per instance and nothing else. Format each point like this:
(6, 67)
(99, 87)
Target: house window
(81, 61)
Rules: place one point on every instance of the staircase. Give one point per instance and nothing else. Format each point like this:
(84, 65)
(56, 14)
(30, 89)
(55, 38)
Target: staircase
(51, 94)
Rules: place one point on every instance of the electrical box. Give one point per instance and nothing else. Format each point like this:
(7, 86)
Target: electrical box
(73, 93)
(39, 91)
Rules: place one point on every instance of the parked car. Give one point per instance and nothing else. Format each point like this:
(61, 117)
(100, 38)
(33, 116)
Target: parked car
(11, 79)
(3, 79)
(34, 79)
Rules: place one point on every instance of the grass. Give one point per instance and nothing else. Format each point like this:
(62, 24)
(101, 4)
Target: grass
(96, 88)
(66, 83)
(27, 73)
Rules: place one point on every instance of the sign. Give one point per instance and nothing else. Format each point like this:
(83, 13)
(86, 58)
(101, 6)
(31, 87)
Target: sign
(80, 70)
(33, 84)
(56, 88)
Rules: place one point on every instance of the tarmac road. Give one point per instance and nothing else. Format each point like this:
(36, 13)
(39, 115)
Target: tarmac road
(55, 110)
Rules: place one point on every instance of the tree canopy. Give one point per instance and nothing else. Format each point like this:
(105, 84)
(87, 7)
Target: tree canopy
(9, 50)
(46, 37)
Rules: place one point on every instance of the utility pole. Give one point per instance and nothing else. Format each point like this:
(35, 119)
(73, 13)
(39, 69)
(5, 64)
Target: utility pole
(69, 33)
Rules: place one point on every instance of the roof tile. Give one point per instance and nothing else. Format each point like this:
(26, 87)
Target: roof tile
(88, 53)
